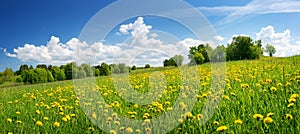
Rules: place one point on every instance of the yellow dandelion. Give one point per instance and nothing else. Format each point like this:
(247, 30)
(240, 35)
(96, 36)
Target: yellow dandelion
(18, 112)
(216, 123)
(56, 124)
(39, 123)
(291, 105)
(270, 114)
(273, 89)
(289, 116)
(91, 129)
(292, 100)
(129, 130)
(19, 122)
(137, 131)
(221, 128)
(294, 96)
(147, 121)
(268, 120)
(64, 119)
(180, 120)
(46, 118)
(9, 133)
(122, 128)
(225, 97)
(238, 121)
(135, 106)
(169, 108)
(9, 120)
(148, 130)
(38, 112)
(258, 117)
(112, 132)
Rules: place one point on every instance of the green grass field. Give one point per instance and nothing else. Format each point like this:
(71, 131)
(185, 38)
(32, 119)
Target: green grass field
(259, 96)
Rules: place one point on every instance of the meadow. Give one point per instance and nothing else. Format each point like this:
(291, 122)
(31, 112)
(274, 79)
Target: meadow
(256, 96)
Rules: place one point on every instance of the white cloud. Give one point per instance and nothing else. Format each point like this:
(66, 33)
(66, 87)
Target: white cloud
(281, 41)
(219, 38)
(254, 7)
(140, 49)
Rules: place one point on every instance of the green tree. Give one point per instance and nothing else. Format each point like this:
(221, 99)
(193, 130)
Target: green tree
(71, 70)
(88, 70)
(270, 49)
(42, 75)
(50, 76)
(7, 75)
(123, 68)
(57, 73)
(81, 73)
(115, 69)
(104, 69)
(178, 59)
(133, 67)
(147, 66)
(218, 54)
(31, 77)
(97, 72)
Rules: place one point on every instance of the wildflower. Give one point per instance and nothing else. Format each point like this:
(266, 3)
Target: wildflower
(258, 117)
(38, 112)
(112, 132)
(46, 118)
(135, 106)
(225, 97)
(129, 130)
(64, 119)
(19, 122)
(18, 112)
(138, 131)
(294, 96)
(91, 129)
(169, 108)
(9, 120)
(273, 89)
(270, 114)
(221, 128)
(292, 100)
(39, 123)
(268, 120)
(288, 116)
(279, 84)
(238, 121)
(122, 128)
(9, 133)
(216, 123)
(180, 120)
(72, 115)
(148, 130)
(147, 121)
(291, 105)
(56, 124)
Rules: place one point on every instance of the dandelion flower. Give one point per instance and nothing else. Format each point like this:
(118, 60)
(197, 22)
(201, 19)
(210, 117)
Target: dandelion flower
(292, 100)
(270, 114)
(56, 124)
(258, 117)
(216, 123)
(294, 96)
(19, 122)
(289, 116)
(38, 112)
(268, 120)
(137, 131)
(238, 121)
(46, 118)
(9, 120)
(291, 105)
(39, 123)
(112, 132)
(221, 128)
(129, 130)
(91, 129)
(64, 119)
(18, 112)
(169, 108)
(148, 130)
(273, 89)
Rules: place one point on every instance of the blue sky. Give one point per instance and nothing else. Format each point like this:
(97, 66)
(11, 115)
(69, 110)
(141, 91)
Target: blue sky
(55, 26)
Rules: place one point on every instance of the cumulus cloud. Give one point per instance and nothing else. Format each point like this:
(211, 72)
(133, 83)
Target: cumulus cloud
(143, 47)
(280, 40)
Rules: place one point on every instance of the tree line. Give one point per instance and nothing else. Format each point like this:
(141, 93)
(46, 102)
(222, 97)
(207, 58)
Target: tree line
(241, 48)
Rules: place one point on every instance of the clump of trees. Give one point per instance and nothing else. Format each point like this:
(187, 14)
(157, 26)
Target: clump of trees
(174, 61)
(241, 48)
